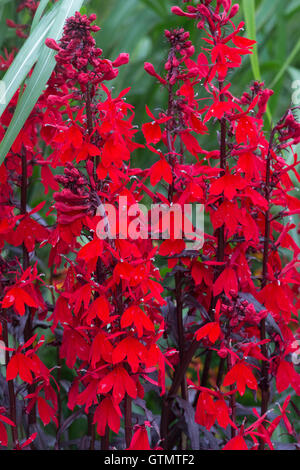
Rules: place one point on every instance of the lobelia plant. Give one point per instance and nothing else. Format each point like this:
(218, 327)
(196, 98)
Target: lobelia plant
(147, 342)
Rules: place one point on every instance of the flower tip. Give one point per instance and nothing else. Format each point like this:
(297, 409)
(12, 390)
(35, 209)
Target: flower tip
(234, 10)
(122, 59)
(11, 24)
(177, 11)
(52, 44)
(93, 17)
(149, 68)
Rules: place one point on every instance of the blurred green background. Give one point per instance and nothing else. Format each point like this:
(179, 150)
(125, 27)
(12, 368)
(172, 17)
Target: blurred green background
(137, 27)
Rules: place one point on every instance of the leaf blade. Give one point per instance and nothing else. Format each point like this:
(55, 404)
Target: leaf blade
(25, 60)
(38, 79)
(40, 10)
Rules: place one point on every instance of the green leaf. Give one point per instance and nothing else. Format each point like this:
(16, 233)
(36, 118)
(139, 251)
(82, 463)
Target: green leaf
(266, 12)
(249, 12)
(158, 7)
(293, 7)
(286, 64)
(40, 10)
(39, 77)
(25, 60)
(250, 19)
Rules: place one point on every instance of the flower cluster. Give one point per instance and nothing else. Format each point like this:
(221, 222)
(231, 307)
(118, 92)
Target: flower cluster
(241, 319)
(78, 58)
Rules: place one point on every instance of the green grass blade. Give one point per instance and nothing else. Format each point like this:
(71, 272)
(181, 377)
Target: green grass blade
(286, 64)
(25, 59)
(265, 12)
(293, 7)
(250, 20)
(249, 12)
(158, 7)
(39, 78)
(40, 10)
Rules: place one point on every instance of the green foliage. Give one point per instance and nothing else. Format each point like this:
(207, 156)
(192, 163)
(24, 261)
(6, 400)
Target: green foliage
(137, 27)
(35, 51)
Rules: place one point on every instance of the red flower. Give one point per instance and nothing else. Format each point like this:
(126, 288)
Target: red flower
(161, 170)
(171, 247)
(212, 330)
(133, 350)
(227, 282)
(20, 365)
(242, 375)
(237, 443)
(18, 297)
(152, 130)
(205, 411)
(229, 185)
(287, 376)
(108, 414)
(120, 382)
(140, 440)
(46, 412)
(3, 432)
(100, 349)
(134, 315)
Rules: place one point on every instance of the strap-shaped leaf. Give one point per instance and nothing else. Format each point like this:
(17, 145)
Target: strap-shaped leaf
(25, 59)
(250, 18)
(40, 10)
(249, 12)
(286, 63)
(41, 74)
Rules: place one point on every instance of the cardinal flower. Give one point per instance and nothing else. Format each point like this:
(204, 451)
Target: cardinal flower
(18, 297)
(108, 414)
(132, 349)
(134, 315)
(211, 330)
(242, 375)
(161, 170)
(3, 431)
(151, 130)
(140, 439)
(25, 363)
(120, 382)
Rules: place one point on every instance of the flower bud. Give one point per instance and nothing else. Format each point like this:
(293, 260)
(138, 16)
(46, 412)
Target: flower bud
(92, 17)
(222, 353)
(11, 24)
(190, 51)
(52, 44)
(83, 78)
(149, 68)
(122, 59)
(234, 11)
(95, 28)
(178, 11)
